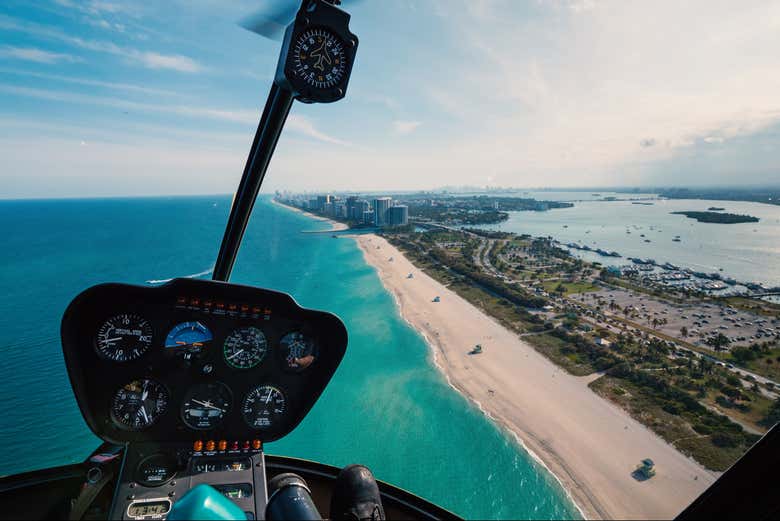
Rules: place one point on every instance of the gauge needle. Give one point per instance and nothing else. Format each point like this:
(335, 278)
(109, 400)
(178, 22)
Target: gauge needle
(112, 339)
(235, 354)
(208, 405)
(143, 411)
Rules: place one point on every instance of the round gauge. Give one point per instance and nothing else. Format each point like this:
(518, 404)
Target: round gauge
(319, 58)
(205, 405)
(188, 339)
(123, 338)
(155, 470)
(139, 404)
(298, 351)
(264, 406)
(245, 348)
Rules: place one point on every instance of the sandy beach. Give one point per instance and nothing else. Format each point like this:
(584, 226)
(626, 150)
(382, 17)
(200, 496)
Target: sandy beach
(590, 445)
(335, 225)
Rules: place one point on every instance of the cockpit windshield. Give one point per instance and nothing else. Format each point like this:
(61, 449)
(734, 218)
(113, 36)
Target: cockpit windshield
(549, 230)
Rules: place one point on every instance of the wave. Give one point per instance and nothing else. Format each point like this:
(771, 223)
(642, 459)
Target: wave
(193, 276)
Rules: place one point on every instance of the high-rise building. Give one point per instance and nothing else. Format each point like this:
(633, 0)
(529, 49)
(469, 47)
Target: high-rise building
(358, 209)
(398, 215)
(322, 200)
(368, 217)
(381, 205)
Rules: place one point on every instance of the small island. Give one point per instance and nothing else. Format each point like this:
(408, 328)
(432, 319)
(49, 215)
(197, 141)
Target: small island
(719, 218)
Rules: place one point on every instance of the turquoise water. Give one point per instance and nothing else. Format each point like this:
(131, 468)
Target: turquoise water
(387, 406)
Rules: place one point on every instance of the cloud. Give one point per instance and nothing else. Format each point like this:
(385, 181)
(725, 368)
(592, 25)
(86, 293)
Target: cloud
(36, 55)
(405, 127)
(303, 125)
(149, 59)
(94, 83)
(296, 123)
(175, 62)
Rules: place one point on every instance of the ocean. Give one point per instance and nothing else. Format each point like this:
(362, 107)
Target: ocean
(387, 407)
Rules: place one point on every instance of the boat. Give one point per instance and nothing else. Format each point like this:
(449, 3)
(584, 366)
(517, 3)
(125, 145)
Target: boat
(676, 239)
(172, 442)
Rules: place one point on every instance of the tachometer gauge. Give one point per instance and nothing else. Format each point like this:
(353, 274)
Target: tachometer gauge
(298, 351)
(123, 338)
(139, 404)
(206, 405)
(245, 348)
(188, 339)
(264, 406)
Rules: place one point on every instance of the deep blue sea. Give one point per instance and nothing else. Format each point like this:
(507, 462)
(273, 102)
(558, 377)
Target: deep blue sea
(387, 407)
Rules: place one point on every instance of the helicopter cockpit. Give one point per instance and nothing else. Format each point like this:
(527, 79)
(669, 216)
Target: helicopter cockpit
(186, 382)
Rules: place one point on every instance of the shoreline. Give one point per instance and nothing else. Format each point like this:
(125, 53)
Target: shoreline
(575, 435)
(335, 225)
(580, 438)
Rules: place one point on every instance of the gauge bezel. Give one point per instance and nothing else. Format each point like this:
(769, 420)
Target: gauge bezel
(263, 356)
(280, 415)
(125, 427)
(187, 396)
(104, 322)
(283, 356)
(187, 351)
(167, 459)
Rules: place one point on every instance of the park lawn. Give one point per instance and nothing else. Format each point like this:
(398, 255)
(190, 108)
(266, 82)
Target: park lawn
(571, 287)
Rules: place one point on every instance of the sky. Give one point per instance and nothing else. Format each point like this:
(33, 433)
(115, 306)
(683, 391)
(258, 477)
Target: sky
(121, 98)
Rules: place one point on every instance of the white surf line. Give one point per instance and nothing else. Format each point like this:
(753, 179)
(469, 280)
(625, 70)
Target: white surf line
(193, 276)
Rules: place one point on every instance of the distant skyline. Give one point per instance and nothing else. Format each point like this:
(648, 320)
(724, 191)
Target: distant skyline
(117, 97)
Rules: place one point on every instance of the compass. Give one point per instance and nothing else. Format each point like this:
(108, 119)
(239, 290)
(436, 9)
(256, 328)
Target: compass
(319, 58)
(317, 53)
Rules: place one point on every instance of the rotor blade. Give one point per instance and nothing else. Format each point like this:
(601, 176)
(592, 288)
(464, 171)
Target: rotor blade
(272, 18)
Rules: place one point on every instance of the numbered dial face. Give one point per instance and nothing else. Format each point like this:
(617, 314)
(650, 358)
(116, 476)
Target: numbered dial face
(264, 406)
(245, 348)
(298, 351)
(319, 58)
(206, 405)
(139, 404)
(123, 338)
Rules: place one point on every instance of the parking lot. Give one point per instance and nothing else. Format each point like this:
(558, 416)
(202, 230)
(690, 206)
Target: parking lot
(702, 320)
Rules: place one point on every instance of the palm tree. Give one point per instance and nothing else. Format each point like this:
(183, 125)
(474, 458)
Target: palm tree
(684, 331)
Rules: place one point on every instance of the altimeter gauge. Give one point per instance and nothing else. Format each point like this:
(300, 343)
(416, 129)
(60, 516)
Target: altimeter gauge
(123, 338)
(139, 404)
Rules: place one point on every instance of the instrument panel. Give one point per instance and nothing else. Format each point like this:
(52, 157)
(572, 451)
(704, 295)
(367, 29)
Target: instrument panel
(196, 359)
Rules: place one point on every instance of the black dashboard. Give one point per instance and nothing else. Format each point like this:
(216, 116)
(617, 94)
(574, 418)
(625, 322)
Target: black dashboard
(195, 360)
